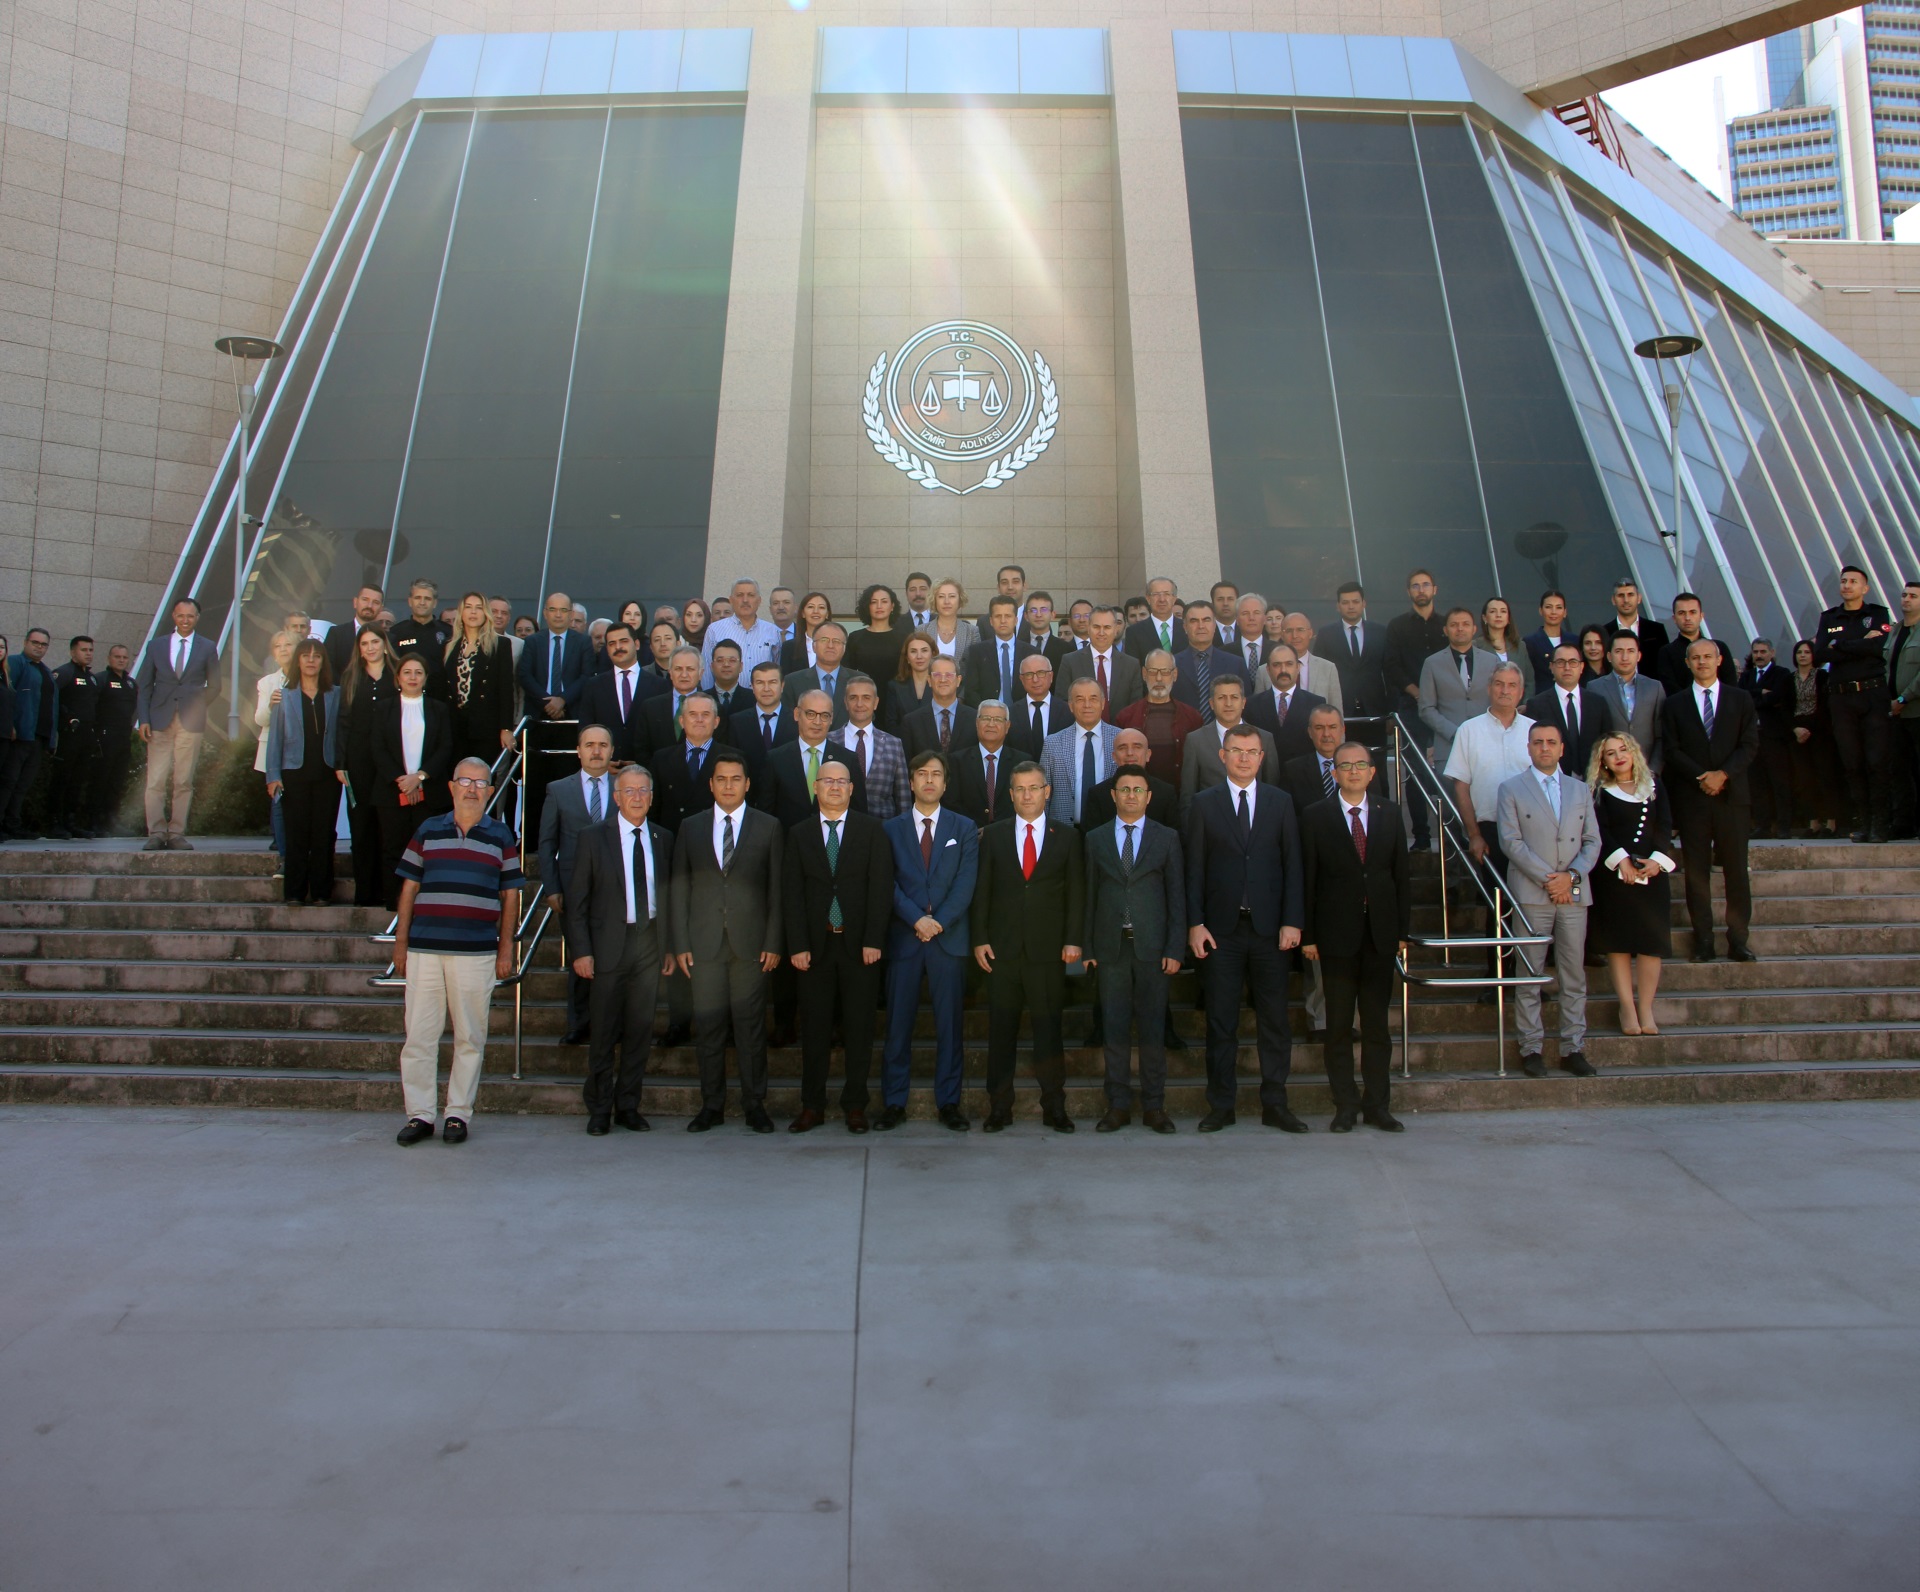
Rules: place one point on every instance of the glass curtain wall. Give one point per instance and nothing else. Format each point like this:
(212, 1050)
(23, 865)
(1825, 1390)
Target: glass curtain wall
(524, 386)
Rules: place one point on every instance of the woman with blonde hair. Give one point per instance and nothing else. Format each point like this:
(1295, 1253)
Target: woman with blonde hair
(1631, 919)
(479, 677)
(950, 634)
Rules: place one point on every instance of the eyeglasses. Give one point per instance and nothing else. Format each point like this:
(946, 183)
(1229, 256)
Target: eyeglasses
(468, 782)
(1348, 768)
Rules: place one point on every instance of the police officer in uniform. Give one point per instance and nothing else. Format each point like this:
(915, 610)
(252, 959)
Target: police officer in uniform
(1851, 642)
(422, 634)
(70, 810)
(113, 719)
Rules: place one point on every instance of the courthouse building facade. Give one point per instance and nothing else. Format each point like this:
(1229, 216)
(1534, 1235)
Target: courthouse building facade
(631, 303)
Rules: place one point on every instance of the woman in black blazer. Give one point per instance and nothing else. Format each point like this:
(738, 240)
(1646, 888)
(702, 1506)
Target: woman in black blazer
(907, 690)
(814, 612)
(406, 789)
(368, 684)
(1816, 790)
(479, 677)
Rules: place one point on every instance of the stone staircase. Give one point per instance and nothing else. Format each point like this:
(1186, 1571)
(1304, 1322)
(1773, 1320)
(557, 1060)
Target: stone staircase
(176, 978)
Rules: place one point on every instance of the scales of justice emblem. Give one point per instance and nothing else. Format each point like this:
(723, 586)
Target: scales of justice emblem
(960, 392)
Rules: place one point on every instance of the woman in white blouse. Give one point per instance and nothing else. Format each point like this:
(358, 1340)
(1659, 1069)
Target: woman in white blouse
(266, 692)
(950, 634)
(412, 763)
(1631, 919)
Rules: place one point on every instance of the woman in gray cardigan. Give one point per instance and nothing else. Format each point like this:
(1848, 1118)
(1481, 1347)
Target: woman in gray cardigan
(304, 770)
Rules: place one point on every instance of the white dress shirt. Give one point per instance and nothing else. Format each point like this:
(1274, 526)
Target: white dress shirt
(1485, 755)
(413, 732)
(720, 817)
(1252, 793)
(1570, 708)
(628, 832)
(1038, 829)
(859, 741)
(1707, 699)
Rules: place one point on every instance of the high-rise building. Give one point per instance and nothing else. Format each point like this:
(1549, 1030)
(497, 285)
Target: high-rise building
(1892, 40)
(1804, 167)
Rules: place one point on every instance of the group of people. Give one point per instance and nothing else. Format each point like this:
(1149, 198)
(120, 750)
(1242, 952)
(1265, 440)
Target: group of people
(790, 823)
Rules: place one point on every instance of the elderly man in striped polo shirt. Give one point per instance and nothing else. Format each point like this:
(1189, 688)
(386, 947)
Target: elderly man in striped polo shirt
(459, 907)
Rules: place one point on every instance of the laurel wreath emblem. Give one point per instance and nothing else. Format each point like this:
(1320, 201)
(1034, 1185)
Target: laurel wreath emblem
(1002, 470)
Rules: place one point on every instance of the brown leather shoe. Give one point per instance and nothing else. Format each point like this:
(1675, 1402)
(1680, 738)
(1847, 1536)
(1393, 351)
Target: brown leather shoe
(808, 1120)
(856, 1122)
(1159, 1121)
(1113, 1121)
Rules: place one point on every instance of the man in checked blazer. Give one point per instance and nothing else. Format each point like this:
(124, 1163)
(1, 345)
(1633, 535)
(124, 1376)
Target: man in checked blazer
(1551, 840)
(726, 933)
(1135, 936)
(879, 757)
(1065, 753)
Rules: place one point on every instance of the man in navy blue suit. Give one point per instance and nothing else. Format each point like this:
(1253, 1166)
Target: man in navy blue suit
(1246, 907)
(936, 858)
(555, 666)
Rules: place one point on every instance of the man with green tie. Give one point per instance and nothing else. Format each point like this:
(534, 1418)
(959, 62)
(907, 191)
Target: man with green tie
(1161, 630)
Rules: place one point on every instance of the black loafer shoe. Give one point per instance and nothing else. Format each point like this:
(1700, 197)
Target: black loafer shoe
(454, 1132)
(706, 1119)
(599, 1125)
(1742, 955)
(1283, 1119)
(1059, 1121)
(891, 1117)
(1534, 1066)
(1383, 1119)
(759, 1121)
(1577, 1064)
(953, 1117)
(1159, 1121)
(996, 1123)
(1113, 1121)
(1342, 1122)
(414, 1132)
(1214, 1121)
(632, 1121)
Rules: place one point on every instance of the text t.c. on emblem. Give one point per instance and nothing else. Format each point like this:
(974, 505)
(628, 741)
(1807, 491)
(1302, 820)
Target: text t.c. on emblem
(962, 393)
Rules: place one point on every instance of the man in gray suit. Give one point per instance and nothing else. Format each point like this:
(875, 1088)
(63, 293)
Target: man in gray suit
(1136, 934)
(175, 679)
(1079, 757)
(1552, 840)
(616, 913)
(725, 933)
(1636, 702)
(1453, 683)
(1201, 767)
(571, 804)
(1104, 660)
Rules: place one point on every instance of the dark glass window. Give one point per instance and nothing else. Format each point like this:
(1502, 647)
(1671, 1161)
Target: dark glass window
(637, 476)
(1551, 524)
(1416, 498)
(1280, 496)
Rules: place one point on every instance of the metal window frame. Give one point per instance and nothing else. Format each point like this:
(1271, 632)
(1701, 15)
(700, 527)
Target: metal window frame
(1896, 552)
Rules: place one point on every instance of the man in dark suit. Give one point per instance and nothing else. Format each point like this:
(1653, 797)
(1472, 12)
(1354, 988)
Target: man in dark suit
(1581, 715)
(573, 806)
(367, 603)
(1245, 911)
(727, 926)
(945, 723)
(1285, 708)
(1135, 936)
(616, 904)
(1039, 710)
(1311, 778)
(729, 691)
(1104, 661)
(1036, 635)
(1650, 633)
(174, 680)
(617, 696)
(681, 769)
(1670, 668)
(977, 775)
(1203, 661)
(1712, 735)
(1772, 690)
(755, 731)
(936, 859)
(791, 768)
(659, 716)
(1162, 630)
(1359, 901)
(838, 898)
(555, 664)
(989, 669)
(1028, 913)
(1357, 647)
(829, 672)
(1130, 750)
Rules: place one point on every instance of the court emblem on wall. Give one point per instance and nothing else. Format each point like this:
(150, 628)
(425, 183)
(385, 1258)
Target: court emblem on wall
(965, 394)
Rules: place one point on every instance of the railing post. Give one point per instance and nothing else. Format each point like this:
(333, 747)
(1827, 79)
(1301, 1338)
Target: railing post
(1499, 990)
(1406, 1025)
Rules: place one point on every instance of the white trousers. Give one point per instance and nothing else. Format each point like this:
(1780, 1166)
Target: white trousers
(438, 985)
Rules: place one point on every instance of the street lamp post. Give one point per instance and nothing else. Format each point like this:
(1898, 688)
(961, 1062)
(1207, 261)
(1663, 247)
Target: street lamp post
(244, 353)
(1677, 348)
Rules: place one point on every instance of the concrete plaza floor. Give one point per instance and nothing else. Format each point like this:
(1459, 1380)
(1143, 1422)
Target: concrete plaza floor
(1601, 1349)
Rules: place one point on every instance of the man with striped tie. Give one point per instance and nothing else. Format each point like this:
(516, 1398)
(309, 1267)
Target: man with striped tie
(1309, 778)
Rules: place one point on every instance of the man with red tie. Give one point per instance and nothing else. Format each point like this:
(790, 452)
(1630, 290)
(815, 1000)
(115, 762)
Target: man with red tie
(1106, 663)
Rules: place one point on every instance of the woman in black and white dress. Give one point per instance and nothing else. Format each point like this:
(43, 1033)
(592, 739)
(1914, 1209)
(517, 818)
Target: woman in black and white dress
(1631, 919)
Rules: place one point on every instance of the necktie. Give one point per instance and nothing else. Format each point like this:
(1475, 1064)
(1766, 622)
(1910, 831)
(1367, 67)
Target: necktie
(860, 748)
(693, 764)
(1089, 772)
(1253, 657)
(926, 844)
(946, 728)
(1127, 852)
(1465, 660)
(594, 810)
(813, 769)
(179, 655)
(1326, 774)
(1029, 853)
(1706, 712)
(726, 843)
(1246, 819)
(1039, 726)
(1573, 714)
(1280, 699)
(826, 683)
(1552, 788)
(766, 730)
(1100, 672)
(1626, 697)
(1359, 833)
(626, 694)
(1353, 640)
(993, 761)
(553, 663)
(1006, 672)
(1203, 671)
(678, 733)
(834, 916)
(640, 876)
